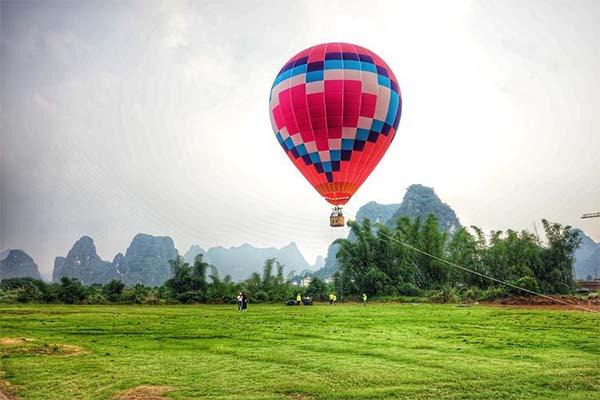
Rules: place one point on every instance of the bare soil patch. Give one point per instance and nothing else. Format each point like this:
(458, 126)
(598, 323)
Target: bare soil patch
(548, 304)
(14, 341)
(144, 392)
(7, 391)
(300, 396)
(31, 346)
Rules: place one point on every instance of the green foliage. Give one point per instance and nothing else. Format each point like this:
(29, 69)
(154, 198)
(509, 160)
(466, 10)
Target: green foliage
(493, 293)
(445, 295)
(318, 289)
(71, 291)
(113, 290)
(409, 289)
(371, 262)
(525, 282)
(556, 271)
(471, 294)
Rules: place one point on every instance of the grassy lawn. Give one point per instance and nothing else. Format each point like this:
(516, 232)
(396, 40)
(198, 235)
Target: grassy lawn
(386, 351)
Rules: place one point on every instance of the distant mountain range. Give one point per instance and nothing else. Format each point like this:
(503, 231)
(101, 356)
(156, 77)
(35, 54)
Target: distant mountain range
(240, 262)
(146, 260)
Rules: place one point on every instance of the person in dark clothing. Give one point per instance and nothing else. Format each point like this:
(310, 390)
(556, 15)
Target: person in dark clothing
(244, 302)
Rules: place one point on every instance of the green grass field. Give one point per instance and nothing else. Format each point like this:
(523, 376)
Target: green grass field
(386, 351)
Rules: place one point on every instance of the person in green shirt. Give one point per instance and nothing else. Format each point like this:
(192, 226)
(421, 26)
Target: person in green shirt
(298, 299)
(364, 299)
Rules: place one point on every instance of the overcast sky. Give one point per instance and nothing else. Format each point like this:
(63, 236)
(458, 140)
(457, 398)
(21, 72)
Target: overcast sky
(127, 117)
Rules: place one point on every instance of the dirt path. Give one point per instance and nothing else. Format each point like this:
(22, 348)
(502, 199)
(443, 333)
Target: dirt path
(542, 303)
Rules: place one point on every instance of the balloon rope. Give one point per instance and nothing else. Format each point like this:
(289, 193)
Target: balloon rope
(483, 275)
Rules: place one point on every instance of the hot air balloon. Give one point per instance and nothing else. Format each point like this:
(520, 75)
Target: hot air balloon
(335, 109)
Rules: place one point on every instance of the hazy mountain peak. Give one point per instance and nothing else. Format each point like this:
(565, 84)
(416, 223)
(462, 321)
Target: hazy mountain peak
(192, 252)
(4, 254)
(376, 212)
(587, 257)
(16, 264)
(241, 261)
(420, 201)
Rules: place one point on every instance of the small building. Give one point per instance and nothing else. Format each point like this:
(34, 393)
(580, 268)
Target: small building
(305, 281)
(592, 285)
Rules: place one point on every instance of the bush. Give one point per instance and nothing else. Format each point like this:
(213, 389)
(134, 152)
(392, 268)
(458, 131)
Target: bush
(471, 294)
(113, 290)
(28, 294)
(493, 293)
(71, 291)
(52, 294)
(408, 289)
(8, 296)
(445, 295)
(152, 298)
(525, 282)
(261, 297)
(96, 298)
(190, 297)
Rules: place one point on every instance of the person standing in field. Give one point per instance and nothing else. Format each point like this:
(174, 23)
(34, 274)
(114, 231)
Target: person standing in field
(298, 299)
(330, 298)
(244, 302)
(364, 299)
(334, 299)
(240, 301)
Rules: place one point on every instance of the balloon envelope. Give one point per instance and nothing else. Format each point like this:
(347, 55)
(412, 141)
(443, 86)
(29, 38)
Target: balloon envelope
(335, 109)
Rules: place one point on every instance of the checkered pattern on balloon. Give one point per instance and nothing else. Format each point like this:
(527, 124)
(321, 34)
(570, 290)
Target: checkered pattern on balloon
(335, 109)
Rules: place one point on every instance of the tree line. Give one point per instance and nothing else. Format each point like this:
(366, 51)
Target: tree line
(382, 260)
(377, 260)
(195, 283)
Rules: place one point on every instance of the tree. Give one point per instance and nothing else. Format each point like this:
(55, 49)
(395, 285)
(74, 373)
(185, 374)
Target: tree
(558, 258)
(268, 280)
(432, 240)
(466, 250)
(71, 291)
(181, 275)
(198, 282)
(199, 274)
(113, 290)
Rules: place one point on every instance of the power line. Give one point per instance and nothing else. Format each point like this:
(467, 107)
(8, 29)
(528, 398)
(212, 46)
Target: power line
(483, 275)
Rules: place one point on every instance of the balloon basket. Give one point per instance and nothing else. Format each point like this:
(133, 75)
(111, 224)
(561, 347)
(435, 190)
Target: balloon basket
(336, 219)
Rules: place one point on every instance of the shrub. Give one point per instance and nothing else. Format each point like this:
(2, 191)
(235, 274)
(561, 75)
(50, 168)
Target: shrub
(525, 282)
(96, 298)
(8, 296)
(189, 297)
(71, 291)
(113, 290)
(152, 298)
(492, 294)
(261, 297)
(471, 294)
(445, 295)
(408, 289)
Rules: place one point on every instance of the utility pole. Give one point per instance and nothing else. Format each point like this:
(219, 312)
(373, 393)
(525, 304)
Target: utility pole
(591, 215)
